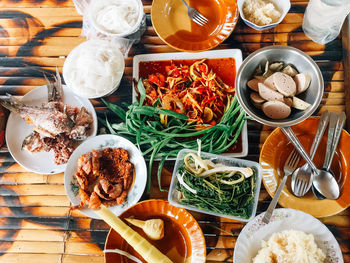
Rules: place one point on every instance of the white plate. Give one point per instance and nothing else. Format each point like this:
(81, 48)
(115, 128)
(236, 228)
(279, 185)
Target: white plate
(224, 53)
(17, 129)
(101, 142)
(249, 240)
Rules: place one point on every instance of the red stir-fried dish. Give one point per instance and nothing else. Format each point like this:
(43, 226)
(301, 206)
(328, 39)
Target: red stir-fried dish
(194, 90)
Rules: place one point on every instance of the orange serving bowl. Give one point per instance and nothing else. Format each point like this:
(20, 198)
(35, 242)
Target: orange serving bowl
(174, 27)
(183, 239)
(274, 153)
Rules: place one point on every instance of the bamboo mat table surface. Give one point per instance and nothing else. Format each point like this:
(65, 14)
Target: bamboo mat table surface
(35, 222)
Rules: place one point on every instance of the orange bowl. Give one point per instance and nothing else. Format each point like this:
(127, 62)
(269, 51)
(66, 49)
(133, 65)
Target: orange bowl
(183, 239)
(173, 25)
(274, 153)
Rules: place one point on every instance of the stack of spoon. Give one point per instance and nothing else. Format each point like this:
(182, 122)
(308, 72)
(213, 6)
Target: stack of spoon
(322, 181)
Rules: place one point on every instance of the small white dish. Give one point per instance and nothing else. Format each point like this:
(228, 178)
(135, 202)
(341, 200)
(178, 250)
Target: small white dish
(249, 240)
(17, 129)
(282, 5)
(98, 143)
(224, 53)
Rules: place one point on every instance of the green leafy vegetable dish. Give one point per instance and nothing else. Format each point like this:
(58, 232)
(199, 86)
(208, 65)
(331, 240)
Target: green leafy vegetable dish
(216, 187)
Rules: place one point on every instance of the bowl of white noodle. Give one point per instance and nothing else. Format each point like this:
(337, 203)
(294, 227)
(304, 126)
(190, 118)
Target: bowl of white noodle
(94, 68)
(116, 17)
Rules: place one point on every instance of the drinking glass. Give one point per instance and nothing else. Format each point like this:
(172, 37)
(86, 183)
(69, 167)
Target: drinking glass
(323, 19)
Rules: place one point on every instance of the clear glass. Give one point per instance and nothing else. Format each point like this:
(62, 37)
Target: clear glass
(323, 19)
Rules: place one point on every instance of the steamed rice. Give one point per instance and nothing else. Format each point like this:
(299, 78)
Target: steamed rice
(261, 12)
(290, 246)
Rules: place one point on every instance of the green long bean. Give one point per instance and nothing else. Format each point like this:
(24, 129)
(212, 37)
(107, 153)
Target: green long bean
(141, 125)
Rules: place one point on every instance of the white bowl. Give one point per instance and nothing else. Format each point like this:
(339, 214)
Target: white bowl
(249, 240)
(283, 6)
(97, 27)
(85, 53)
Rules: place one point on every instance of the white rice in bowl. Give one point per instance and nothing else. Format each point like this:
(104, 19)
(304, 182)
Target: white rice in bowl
(261, 12)
(290, 246)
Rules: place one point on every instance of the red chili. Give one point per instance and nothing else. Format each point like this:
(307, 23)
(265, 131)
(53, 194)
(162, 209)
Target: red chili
(153, 94)
(153, 78)
(161, 79)
(169, 68)
(176, 73)
(203, 68)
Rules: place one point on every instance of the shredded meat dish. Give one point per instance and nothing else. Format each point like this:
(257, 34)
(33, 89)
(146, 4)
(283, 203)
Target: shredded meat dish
(104, 177)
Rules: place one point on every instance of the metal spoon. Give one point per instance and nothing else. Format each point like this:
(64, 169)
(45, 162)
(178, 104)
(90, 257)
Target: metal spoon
(331, 129)
(324, 181)
(304, 173)
(334, 133)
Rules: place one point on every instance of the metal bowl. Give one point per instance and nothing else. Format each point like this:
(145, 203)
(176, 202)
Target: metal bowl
(289, 55)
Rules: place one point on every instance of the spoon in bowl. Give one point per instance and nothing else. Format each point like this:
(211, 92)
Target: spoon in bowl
(337, 122)
(324, 181)
(302, 177)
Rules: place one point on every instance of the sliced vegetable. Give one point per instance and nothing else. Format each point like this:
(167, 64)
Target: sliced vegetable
(300, 104)
(153, 228)
(289, 70)
(276, 66)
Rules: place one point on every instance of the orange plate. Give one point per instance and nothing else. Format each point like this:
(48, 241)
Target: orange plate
(174, 27)
(183, 239)
(274, 154)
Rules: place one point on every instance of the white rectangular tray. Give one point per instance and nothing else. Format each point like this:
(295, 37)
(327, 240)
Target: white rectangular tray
(224, 53)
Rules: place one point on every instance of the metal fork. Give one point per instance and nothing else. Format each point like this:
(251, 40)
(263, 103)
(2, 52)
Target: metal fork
(290, 165)
(302, 177)
(195, 16)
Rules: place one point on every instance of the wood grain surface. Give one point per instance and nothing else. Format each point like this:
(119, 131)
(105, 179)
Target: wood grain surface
(36, 224)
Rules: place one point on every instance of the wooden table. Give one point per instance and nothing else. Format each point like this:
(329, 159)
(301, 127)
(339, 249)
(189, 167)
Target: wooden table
(35, 222)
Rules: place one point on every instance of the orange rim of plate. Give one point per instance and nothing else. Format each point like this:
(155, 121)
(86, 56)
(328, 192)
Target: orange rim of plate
(161, 20)
(180, 216)
(275, 152)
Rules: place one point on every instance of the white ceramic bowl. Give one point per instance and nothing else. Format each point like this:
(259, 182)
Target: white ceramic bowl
(97, 27)
(83, 60)
(249, 240)
(283, 5)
